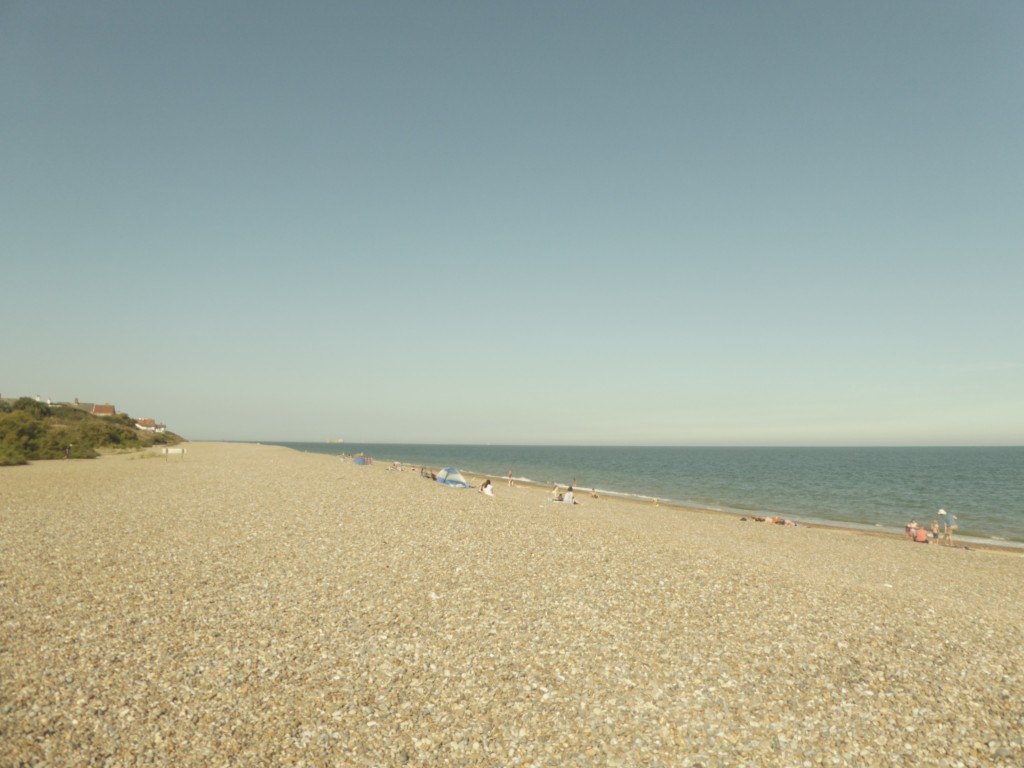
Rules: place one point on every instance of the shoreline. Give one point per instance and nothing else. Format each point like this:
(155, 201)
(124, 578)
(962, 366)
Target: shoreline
(813, 486)
(838, 526)
(968, 543)
(257, 605)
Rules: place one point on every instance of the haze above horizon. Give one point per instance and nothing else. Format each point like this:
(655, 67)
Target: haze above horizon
(680, 223)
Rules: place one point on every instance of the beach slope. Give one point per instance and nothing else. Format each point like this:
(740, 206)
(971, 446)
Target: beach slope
(252, 605)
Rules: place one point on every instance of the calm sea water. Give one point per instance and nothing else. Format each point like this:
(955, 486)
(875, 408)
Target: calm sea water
(854, 487)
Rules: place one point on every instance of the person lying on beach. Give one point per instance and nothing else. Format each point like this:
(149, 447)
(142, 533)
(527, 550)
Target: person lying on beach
(774, 520)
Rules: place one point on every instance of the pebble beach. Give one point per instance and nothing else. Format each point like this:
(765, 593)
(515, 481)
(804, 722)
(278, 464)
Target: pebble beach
(248, 605)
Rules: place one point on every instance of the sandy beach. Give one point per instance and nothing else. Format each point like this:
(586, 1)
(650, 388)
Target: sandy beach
(252, 605)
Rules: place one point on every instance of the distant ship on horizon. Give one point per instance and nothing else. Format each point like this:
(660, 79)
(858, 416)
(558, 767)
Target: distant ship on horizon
(335, 441)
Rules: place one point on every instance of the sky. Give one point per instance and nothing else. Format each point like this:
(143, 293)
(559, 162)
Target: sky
(680, 223)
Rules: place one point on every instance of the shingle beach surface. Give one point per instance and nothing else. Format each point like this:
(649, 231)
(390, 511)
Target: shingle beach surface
(251, 605)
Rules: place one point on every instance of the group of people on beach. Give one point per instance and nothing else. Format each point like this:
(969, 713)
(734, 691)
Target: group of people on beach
(919, 534)
(568, 497)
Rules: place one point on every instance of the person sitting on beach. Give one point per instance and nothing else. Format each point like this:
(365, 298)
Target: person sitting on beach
(487, 488)
(569, 498)
(556, 494)
(921, 535)
(593, 493)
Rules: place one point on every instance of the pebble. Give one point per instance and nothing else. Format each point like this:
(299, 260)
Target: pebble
(252, 605)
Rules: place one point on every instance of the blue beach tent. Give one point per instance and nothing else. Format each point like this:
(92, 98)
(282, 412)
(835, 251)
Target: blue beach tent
(449, 476)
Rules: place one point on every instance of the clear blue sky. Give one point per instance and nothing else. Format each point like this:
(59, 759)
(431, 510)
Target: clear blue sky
(688, 223)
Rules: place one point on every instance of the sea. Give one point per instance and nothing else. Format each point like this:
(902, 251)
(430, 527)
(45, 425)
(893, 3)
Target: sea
(878, 489)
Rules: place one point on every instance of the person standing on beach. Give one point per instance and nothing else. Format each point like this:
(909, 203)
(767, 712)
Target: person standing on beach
(510, 478)
(952, 523)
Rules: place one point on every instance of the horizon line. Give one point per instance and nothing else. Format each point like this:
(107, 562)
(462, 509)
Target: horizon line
(625, 445)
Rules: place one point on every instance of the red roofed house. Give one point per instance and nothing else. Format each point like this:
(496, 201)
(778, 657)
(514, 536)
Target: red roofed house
(103, 410)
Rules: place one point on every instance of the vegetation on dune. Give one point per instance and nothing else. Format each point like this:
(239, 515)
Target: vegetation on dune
(33, 431)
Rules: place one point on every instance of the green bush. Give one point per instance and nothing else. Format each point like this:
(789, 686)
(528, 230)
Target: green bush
(20, 433)
(10, 457)
(32, 407)
(31, 431)
(67, 414)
